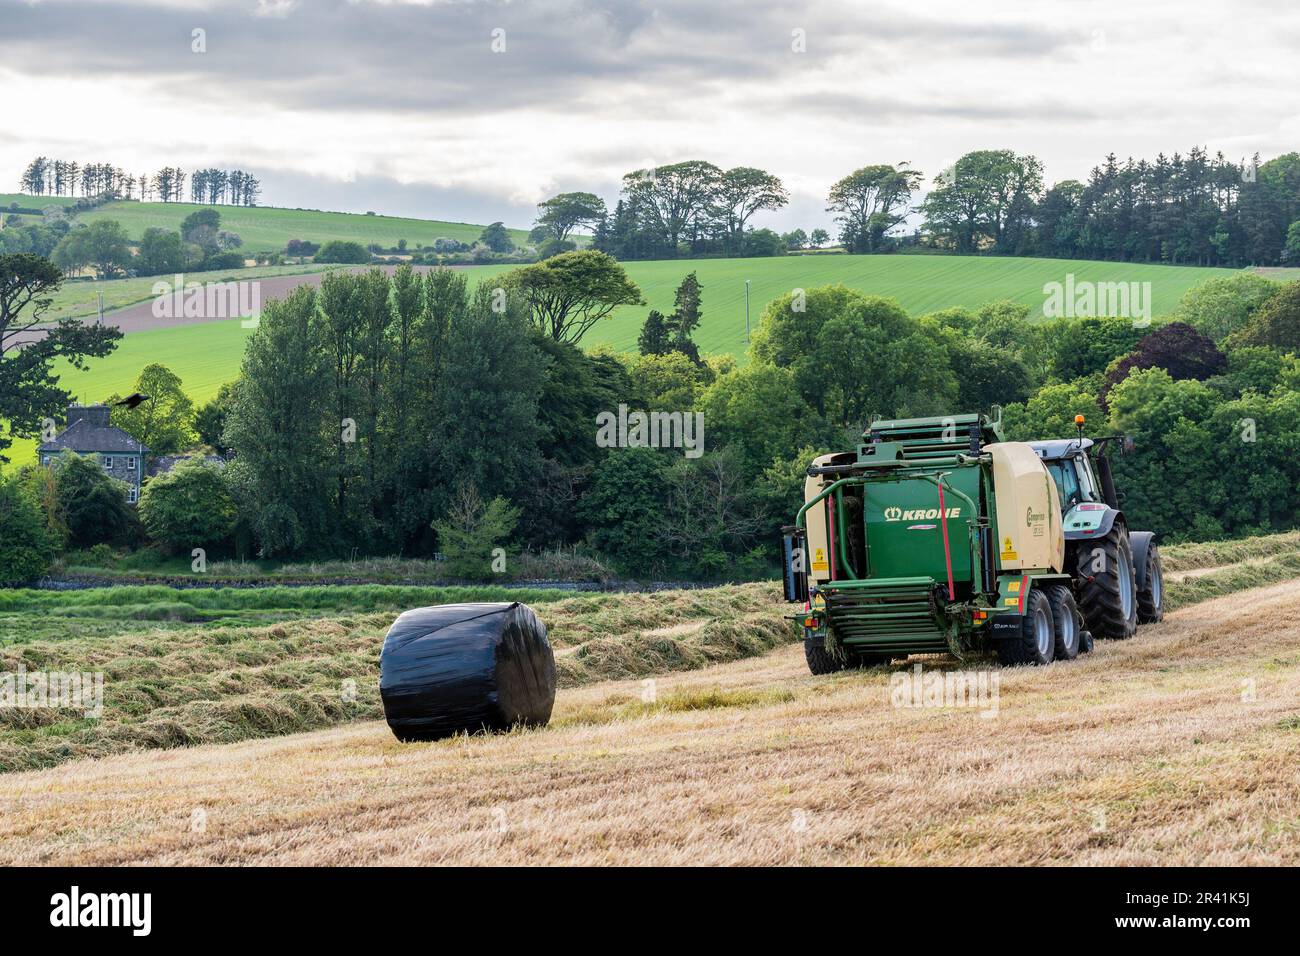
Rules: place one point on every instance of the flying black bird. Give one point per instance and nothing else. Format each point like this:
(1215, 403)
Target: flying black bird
(131, 401)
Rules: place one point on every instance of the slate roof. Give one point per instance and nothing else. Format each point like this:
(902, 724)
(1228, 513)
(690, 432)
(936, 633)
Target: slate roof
(83, 437)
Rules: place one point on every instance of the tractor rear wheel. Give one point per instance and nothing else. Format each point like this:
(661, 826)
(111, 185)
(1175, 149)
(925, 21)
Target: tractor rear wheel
(1151, 596)
(1036, 641)
(1068, 621)
(820, 660)
(1108, 585)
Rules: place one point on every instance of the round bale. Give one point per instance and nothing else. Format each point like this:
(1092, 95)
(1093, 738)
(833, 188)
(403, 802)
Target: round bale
(466, 667)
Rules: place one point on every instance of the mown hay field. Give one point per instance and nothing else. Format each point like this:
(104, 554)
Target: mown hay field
(185, 667)
(218, 665)
(1177, 747)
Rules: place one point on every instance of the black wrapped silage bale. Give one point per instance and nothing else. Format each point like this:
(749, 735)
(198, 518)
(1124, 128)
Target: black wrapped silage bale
(466, 667)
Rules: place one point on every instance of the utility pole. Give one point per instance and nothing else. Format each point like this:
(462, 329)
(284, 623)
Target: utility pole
(746, 311)
(101, 305)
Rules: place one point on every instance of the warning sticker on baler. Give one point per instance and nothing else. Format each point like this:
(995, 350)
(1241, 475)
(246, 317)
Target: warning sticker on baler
(819, 560)
(1008, 550)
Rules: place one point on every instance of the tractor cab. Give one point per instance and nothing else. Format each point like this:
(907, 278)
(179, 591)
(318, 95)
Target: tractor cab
(1070, 466)
(1081, 470)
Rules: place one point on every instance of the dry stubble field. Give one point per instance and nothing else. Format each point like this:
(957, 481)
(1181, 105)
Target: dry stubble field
(1181, 746)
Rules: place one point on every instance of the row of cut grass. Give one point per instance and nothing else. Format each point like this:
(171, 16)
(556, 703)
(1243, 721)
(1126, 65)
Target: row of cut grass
(205, 684)
(1213, 554)
(178, 682)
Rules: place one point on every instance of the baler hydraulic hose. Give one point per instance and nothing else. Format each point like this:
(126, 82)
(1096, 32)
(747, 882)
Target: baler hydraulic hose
(947, 551)
(821, 496)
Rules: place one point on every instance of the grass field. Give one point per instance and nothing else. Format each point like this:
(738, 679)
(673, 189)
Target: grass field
(265, 228)
(28, 616)
(1147, 751)
(573, 564)
(269, 229)
(920, 284)
(205, 356)
(32, 202)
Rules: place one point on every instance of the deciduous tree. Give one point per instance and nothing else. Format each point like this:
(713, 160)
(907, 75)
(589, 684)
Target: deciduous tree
(567, 294)
(165, 422)
(29, 387)
(561, 214)
(740, 193)
(869, 202)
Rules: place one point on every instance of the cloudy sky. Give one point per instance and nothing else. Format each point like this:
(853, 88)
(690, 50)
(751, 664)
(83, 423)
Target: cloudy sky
(476, 109)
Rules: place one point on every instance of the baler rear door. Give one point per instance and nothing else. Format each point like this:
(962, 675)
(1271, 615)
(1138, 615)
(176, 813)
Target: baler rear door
(905, 533)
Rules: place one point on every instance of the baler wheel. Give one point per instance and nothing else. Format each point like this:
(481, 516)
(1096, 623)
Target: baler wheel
(1036, 642)
(820, 660)
(1067, 620)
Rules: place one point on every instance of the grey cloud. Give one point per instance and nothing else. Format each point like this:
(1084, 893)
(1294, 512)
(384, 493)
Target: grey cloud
(389, 197)
(336, 55)
(1009, 108)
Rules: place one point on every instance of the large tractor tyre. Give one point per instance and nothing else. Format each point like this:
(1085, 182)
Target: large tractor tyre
(1036, 642)
(1151, 595)
(820, 660)
(1068, 622)
(1108, 585)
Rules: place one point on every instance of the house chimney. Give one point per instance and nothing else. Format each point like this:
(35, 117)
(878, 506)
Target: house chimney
(94, 415)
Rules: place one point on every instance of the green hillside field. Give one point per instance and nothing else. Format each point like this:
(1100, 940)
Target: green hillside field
(28, 203)
(205, 356)
(33, 202)
(920, 283)
(268, 229)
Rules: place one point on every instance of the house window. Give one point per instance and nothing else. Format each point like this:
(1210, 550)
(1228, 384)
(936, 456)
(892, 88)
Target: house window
(131, 494)
(107, 462)
(130, 464)
(45, 459)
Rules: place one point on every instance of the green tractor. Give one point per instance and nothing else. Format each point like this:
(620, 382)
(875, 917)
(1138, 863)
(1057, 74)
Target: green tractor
(936, 535)
(1118, 579)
